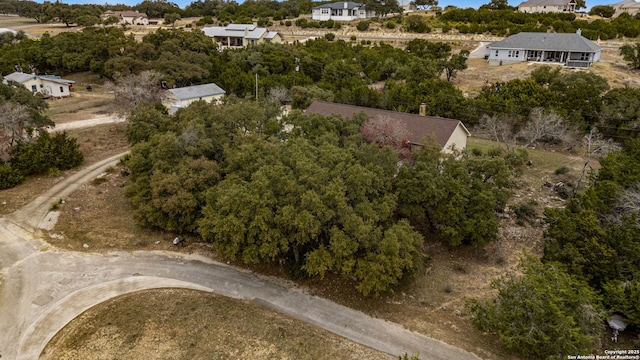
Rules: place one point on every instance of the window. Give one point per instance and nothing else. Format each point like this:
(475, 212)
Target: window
(325, 11)
(41, 86)
(496, 53)
(61, 90)
(34, 88)
(361, 12)
(517, 53)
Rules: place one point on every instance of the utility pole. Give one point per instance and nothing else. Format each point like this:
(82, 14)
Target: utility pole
(256, 86)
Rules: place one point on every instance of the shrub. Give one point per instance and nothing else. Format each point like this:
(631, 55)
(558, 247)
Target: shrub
(390, 25)
(287, 23)
(525, 211)
(46, 152)
(9, 177)
(330, 36)
(363, 26)
(561, 170)
(353, 38)
(54, 172)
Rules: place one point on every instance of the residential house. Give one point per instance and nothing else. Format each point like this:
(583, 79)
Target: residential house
(547, 6)
(448, 133)
(241, 35)
(630, 7)
(341, 11)
(47, 85)
(127, 17)
(181, 97)
(572, 50)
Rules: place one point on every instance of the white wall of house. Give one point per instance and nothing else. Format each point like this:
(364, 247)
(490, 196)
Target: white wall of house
(457, 141)
(324, 14)
(186, 102)
(47, 87)
(504, 56)
(542, 9)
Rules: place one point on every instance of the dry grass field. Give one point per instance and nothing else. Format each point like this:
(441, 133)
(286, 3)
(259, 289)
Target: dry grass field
(432, 303)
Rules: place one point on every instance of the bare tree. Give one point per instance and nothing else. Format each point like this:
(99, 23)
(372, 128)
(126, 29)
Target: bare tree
(133, 90)
(596, 144)
(628, 205)
(385, 131)
(279, 95)
(546, 126)
(14, 122)
(498, 128)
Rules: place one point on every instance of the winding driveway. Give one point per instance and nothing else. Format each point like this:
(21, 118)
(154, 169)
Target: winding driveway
(43, 288)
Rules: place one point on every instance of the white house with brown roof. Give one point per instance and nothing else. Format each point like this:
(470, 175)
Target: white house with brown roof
(127, 17)
(47, 85)
(547, 6)
(241, 35)
(450, 134)
(572, 50)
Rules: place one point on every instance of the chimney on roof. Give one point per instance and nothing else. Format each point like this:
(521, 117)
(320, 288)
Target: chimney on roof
(579, 31)
(346, 4)
(423, 109)
(246, 31)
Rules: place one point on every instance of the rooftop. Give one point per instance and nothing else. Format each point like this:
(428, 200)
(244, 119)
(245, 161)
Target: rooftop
(546, 41)
(197, 91)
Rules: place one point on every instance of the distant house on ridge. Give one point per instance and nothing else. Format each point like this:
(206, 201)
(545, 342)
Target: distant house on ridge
(341, 11)
(47, 85)
(547, 6)
(241, 35)
(127, 17)
(181, 97)
(630, 7)
(450, 134)
(572, 50)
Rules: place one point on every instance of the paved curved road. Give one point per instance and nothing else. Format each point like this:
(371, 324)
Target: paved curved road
(42, 288)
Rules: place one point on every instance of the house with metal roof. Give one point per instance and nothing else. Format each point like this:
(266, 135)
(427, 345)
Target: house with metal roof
(240, 35)
(127, 17)
(47, 85)
(547, 6)
(181, 97)
(572, 50)
(450, 134)
(341, 11)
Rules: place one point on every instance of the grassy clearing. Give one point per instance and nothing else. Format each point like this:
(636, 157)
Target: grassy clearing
(184, 324)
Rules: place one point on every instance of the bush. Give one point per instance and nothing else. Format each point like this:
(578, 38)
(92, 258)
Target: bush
(363, 26)
(46, 152)
(287, 23)
(9, 177)
(353, 38)
(390, 25)
(561, 170)
(528, 312)
(330, 36)
(525, 211)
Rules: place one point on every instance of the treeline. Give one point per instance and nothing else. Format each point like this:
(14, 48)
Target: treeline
(378, 76)
(507, 22)
(318, 198)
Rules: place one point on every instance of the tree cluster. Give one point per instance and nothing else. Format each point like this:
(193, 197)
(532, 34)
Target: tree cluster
(318, 198)
(27, 147)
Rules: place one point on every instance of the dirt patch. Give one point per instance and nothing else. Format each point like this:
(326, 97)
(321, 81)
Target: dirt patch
(185, 324)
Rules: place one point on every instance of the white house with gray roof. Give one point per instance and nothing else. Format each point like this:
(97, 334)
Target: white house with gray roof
(547, 6)
(47, 85)
(181, 97)
(240, 35)
(572, 50)
(630, 7)
(341, 11)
